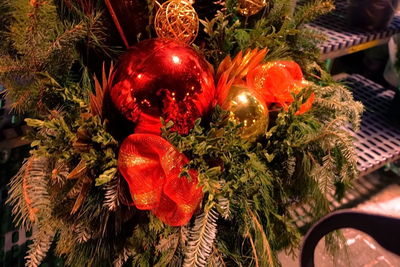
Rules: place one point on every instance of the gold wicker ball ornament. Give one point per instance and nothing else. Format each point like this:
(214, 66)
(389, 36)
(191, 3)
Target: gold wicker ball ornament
(176, 19)
(251, 7)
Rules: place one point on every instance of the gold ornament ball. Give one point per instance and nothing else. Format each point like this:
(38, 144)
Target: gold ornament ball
(251, 7)
(247, 108)
(177, 20)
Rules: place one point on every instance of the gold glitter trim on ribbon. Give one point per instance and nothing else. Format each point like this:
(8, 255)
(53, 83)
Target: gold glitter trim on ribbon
(146, 199)
(129, 160)
(171, 160)
(186, 208)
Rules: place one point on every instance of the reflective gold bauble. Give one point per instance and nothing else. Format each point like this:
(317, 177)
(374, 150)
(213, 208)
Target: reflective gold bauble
(176, 19)
(251, 7)
(247, 108)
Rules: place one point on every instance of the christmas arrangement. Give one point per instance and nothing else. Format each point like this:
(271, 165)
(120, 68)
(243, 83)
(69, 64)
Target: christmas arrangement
(214, 121)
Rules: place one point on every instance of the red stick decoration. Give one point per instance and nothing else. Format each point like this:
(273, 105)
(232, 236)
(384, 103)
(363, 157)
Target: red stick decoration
(131, 18)
(116, 22)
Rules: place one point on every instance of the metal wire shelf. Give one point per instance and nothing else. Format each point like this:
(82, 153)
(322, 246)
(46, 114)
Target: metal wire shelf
(378, 141)
(343, 39)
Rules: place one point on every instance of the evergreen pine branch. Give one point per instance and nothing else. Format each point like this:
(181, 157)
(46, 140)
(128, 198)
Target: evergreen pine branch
(184, 235)
(92, 14)
(65, 239)
(261, 248)
(320, 205)
(59, 173)
(123, 257)
(48, 45)
(96, 33)
(151, 7)
(290, 166)
(336, 100)
(167, 247)
(5, 20)
(176, 261)
(336, 165)
(324, 175)
(22, 210)
(280, 31)
(31, 200)
(28, 192)
(37, 186)
(201, 239)
(81, 233)
(170, 242)
(75, 189)
(216, 258)
(280, 9)
(42, 240)
(311, 10)
(112, 194)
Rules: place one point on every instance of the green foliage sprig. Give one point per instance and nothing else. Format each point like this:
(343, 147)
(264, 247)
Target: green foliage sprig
(281, 29)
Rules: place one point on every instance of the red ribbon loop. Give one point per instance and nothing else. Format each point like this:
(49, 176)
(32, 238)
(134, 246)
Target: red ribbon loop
(152, 168)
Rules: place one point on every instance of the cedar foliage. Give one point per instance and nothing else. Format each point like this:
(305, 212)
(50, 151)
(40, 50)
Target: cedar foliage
(70, 191)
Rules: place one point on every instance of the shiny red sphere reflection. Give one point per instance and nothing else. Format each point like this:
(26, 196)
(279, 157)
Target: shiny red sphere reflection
(162, 78)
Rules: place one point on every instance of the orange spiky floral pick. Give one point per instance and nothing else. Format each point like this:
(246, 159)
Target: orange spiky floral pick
(235, 71)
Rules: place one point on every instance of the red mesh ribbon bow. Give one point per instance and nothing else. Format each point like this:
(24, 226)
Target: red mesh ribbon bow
(277, 80)
(151, 166)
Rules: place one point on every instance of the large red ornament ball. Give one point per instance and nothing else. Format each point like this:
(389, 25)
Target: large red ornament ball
(162, 78)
